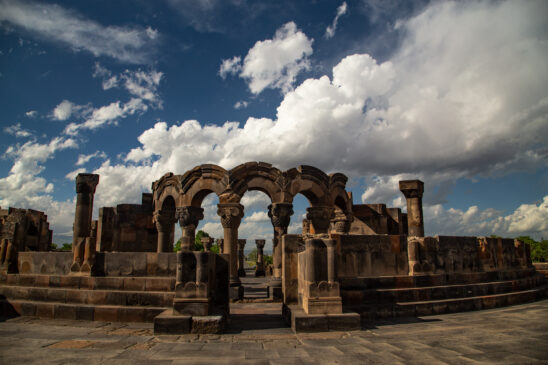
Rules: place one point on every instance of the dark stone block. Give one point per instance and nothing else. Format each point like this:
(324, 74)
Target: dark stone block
(168, 324)
(64, 311)
(302, 322)
(28, 309)
(84, 313)
(208, 324)
(344, 322)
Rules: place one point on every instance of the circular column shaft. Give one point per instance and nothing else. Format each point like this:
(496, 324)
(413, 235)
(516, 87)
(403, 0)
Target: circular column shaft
(413, 190)
(189, 217)
(231, 216)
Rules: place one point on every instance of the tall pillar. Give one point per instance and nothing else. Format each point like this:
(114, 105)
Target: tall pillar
(241, 256)
(231, 216)
(280, 216)
(320, 217)
(164, 221)
(412, 190)
(85, 190)
(259, 268)
(189, 217)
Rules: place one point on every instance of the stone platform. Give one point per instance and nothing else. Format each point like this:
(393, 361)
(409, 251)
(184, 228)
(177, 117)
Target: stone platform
(511, 335)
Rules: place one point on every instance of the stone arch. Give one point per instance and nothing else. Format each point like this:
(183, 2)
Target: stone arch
(202, 180)
(258, 176)
(339, 197)
(168, 185)
(311, 182)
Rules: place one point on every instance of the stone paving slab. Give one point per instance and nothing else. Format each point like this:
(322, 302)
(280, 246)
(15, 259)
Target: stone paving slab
(511, 335)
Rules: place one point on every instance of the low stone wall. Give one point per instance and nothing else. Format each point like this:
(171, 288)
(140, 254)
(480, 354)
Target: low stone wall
(52, 263)
(107, 263)
(372, 255)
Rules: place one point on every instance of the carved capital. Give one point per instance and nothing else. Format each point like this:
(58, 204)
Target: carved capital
(260, 244)
(320, 217)
(86, 183)
(231, 214)
(163, 220)
(412, 188)
(341, 222)
(189, 215)
(280, 214)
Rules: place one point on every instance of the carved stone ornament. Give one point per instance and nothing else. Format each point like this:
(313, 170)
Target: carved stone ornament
(320, 217)
(231, 214)
(86, 183)
(189, 215)
(280, 214)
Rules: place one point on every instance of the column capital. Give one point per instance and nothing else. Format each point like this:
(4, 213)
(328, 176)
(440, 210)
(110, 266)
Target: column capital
(163, 220)
(260, 243)
(86, 183)
(412, 188)
(231, 214)
(320, 217)
(207, 242)
(341, 222)
(280, 214)
(189, 215)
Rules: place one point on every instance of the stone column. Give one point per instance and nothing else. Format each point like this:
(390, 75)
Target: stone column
(207, 242)
(280, 216)
(259, 269)
(412, 190)
(221, 244)
(341, 223)
(320, 217)
(189, 217)
(231, 215)
(164, 225)
(331, 269)
(85, 190)
(241, 256)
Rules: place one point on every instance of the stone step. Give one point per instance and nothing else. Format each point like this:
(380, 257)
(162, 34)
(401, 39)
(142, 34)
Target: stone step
(88, 296)
(147, 283)
(434, 307)
(399, 295)
(405, 281)
(106, 313)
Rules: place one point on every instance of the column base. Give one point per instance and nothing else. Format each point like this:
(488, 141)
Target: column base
(275, 289)
(235, 292)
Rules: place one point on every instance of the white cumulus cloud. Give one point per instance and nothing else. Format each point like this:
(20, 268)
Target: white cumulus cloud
(273, 63)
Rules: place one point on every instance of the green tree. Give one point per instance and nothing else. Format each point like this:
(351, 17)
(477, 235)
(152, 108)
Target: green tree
(539, 250)
(177, 246)
(66, 247)
(268, 260)
(53, 247)
(215, 248)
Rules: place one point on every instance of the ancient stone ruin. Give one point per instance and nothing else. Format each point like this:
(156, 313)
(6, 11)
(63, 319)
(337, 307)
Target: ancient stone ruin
(352, 262)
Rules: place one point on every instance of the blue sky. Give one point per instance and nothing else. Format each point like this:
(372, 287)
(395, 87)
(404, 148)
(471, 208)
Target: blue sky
(453, 93)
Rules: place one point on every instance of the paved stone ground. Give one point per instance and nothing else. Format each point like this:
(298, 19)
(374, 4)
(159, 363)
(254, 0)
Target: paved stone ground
(511, 335)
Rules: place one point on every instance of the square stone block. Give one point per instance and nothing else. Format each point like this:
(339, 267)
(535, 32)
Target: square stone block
(236, 292)
(191, 307)
(207, 324)
(167, 323)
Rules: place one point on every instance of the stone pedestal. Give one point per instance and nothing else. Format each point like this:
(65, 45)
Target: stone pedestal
(89, 253)
(280, 216)
(413, 190)
(259, 267)
(201, 295)
(189, 217)
(241, 258)
(320, 293)
(85, 190)
(231, 215)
